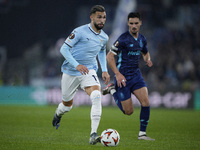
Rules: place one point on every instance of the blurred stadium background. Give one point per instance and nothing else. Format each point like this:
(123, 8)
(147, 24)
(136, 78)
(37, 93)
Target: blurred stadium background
(32, 32)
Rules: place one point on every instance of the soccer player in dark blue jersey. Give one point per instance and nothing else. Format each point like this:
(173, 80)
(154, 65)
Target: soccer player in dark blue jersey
(128, 78)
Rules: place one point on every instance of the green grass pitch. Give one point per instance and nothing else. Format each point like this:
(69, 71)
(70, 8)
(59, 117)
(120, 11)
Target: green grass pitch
(30, 128)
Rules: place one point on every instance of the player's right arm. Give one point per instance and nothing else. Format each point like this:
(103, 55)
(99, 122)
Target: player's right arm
(71, 40)
(111, 61)
(68, 56)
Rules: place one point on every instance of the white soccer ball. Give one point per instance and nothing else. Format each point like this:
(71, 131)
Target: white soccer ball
(110, 137)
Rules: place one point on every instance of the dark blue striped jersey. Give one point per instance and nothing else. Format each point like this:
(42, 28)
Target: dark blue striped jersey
(129, 51)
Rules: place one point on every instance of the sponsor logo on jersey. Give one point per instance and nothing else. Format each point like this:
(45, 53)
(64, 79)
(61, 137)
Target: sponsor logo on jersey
(134, 53)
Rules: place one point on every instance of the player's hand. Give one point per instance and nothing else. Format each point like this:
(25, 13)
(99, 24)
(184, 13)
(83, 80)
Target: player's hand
(106, 77)
(149, 63)
(121, 80)
(82, 69)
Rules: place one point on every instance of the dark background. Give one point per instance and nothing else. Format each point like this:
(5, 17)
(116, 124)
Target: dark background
(30, 31)
(24, 22)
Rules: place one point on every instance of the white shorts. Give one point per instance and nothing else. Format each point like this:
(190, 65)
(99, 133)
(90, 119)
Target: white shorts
(70, 84)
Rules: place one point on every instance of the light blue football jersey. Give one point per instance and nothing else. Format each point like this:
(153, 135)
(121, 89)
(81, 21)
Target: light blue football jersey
(85, 44)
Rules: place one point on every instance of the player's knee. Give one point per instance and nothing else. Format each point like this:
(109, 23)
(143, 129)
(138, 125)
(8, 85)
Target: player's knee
(95, 97)
(129, 112)
(145, 103)
(68, 103)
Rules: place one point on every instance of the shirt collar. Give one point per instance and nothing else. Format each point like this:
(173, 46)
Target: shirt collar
(90, 27)
(133, 37)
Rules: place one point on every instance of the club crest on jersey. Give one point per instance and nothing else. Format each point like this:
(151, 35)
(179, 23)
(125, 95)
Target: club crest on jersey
(141, 44)
(101, 41)
(71, 36)
(116, 44)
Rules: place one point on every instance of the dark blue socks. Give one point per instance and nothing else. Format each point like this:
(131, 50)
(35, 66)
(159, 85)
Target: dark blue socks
(144, 118)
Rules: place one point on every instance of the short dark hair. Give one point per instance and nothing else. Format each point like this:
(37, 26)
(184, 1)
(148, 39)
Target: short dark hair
(134, 15)
(96, 8)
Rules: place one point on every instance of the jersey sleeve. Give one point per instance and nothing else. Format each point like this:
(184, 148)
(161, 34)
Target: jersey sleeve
(64, 50)
(145, 49)
(102, 60)
(73, 38)
(117, 47)
(102, 56)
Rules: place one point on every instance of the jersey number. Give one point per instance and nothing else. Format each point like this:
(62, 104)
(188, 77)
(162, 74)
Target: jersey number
(94, 77)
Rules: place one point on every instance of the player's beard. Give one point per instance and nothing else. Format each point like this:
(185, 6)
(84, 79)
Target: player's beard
(134, 32)
(98, 27)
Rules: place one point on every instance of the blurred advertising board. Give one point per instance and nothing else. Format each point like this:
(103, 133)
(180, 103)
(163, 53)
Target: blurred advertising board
(21, 95)
(197, 99)
(45, 96)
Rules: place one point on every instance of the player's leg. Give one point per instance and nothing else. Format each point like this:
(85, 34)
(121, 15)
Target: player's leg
(142, 95)
(62, 108)
(127, 106)
(95, 114)
(69, 84)
(110, 89)
(90, 83)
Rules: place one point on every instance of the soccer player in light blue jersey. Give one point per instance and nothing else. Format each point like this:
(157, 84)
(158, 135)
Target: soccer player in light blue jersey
(128, 78)
(80, 50)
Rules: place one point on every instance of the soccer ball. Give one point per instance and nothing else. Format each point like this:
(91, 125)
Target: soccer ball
(110, 137)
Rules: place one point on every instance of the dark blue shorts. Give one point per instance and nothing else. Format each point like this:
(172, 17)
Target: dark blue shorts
(136, 82)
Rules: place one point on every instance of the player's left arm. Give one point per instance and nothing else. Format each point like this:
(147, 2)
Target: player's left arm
(147, 59)
(103, 64)
(146, 54)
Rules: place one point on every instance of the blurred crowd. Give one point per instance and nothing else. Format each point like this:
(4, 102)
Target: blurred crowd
(173, 36)
(176, 49)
